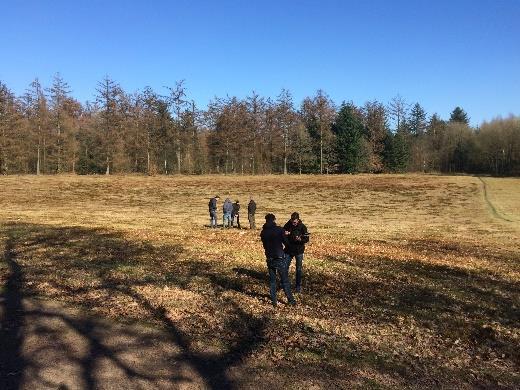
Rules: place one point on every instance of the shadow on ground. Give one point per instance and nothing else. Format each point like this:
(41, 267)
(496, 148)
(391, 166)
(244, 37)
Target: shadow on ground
(47, 344)
(217, 341)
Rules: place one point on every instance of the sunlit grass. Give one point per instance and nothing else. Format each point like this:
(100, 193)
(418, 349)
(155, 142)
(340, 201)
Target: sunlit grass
(409, 279)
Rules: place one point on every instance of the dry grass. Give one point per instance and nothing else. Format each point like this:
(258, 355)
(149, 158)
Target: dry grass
(504, 195)
(410, 280)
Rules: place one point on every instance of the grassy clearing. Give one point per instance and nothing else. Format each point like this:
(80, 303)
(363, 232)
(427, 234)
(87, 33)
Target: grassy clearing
(410, 280)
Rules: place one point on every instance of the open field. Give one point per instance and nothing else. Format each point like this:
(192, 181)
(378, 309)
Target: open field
(409, 281)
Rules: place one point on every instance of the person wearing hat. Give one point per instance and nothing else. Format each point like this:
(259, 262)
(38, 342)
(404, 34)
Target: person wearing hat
(297, 236)
(273, 240)
(213, 211)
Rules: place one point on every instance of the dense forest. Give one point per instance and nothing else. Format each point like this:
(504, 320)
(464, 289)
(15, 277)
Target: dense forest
(47, 131)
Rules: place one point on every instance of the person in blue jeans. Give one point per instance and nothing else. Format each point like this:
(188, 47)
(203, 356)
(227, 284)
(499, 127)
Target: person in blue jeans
(227, 210)
(273, 239)
(297, 236)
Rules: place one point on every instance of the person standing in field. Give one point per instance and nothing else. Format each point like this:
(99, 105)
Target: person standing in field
(251, 210)
(213, 211)
(273, 239)
(236, 214)
(297, 236)
(227, 210)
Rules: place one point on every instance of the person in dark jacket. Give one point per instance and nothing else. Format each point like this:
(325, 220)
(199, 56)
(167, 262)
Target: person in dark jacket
(235, 214)
(297, 236)
(213, 211)
(273, 239)
(251, 210)
(227, 210)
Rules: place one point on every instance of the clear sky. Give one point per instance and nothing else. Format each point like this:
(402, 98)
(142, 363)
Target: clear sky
(440, 53)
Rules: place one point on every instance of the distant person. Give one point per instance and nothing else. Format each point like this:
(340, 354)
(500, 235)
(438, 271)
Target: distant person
(227, 210)
(297, 236)
(213, 211)
(251, 210)
(273, 239)
(236, 214)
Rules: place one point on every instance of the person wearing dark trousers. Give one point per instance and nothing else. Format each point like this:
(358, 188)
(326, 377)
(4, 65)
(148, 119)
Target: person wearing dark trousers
(213, 211)
(251, 210)
(297, 236)
(273, 239)
(236, 214)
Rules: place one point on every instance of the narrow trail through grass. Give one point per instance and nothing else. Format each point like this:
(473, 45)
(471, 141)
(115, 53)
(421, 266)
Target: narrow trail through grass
(491, 206)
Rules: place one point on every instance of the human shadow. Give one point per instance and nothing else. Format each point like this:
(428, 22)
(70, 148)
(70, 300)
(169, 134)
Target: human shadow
(12, 362)
(252, 273)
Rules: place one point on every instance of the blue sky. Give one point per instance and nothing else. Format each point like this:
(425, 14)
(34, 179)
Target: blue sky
(441, 54)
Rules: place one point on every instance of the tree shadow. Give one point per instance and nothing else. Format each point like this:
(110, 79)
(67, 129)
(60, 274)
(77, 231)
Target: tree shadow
(109, 267)
(455, 302)
(104, 271)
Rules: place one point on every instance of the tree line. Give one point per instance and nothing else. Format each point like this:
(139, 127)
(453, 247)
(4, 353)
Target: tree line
(47, 131)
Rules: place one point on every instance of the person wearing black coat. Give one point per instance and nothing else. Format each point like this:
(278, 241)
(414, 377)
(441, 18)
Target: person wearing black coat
(212, 205)
(251, 210)
(273, 239)
(235, 214)
(297, 236)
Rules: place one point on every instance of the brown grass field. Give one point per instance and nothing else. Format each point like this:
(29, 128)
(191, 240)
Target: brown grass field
(410, 281)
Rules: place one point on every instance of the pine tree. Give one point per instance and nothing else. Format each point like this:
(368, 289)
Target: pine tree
(376, 127)
(459, 115)
(417, 120)
(37, 114)
(58, 94)
(256, 107)
(301, 155)
(348, 129)
(318, 114)
(177, 103)
(397, 151)
(12, 144)
(109, 94)
(286, 121)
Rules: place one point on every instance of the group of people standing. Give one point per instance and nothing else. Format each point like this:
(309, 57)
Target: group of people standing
(281, 244)
(231, 213)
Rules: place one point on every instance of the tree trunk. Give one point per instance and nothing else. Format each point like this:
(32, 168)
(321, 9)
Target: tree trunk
(38, 160)
(148, 161)
(3, 161)
(44, 155)
(58, 167)
(285, 152)
(321, 149)
(179, 158)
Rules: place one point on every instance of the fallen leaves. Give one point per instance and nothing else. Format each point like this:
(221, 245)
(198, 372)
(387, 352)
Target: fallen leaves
(387, 296)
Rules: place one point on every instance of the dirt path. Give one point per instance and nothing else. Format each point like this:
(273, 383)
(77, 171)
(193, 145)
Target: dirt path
(490, 205)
